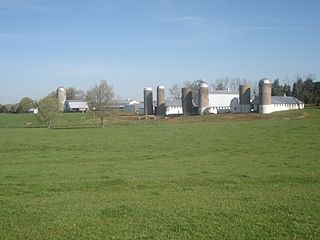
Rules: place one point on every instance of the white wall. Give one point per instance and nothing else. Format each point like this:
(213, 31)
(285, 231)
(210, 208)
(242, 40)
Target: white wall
(285, 107)
(221, 100)
(174, 110)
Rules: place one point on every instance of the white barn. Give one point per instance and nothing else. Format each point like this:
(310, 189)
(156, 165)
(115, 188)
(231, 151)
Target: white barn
(281, 103)
(220, 100)
(173, 106)
(75, 106)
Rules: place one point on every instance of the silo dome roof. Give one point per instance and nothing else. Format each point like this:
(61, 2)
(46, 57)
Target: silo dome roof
(264, 80)
(61, 88)
(204, 85)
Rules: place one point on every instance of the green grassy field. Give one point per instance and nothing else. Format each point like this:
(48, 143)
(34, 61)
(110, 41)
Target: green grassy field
(195, 178)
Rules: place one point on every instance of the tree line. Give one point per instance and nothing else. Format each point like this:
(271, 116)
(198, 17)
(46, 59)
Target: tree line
(26, 103)
(305, 90)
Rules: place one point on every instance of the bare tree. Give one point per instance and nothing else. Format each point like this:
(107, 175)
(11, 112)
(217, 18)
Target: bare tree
(75, 94)
(175, 91)
(100, 99)
(222, 83)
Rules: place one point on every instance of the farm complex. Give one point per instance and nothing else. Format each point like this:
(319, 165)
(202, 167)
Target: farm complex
(201, 101)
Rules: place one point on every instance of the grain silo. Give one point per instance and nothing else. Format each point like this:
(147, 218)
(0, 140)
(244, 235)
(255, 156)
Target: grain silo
(148, 101)
(161, 105)
(62, 97)
(186, 98)
(244, 97)
(265, 106)
(203, 97)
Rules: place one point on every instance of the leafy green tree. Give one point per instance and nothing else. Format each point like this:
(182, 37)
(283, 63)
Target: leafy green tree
(25, 104)
(100, 99)
(307, 90)
(276, 88)
(48, 109)
(13, 108)
(4, 109)
(287, 90)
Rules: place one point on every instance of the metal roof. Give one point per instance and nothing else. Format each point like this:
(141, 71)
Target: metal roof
(223, 92)
(173, 102)
(77, 104)
(280, 100)
(284, 100)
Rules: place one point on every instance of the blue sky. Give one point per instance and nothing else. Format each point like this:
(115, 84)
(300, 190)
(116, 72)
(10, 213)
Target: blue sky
(137, 43)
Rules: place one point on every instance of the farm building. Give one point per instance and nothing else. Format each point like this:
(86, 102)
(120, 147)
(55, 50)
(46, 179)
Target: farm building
(173, 106)
(133, 106)
(280, 103)
(219, 101)
(201, 101)
(75, 106)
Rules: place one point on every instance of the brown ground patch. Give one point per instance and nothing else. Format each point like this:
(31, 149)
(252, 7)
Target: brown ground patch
(126, 118)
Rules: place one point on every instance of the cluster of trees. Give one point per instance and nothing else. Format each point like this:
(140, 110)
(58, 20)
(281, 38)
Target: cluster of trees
(280, 90)
(307, 90)
(23, 106)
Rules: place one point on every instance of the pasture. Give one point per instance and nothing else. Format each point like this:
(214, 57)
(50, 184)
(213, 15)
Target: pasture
(216, 177)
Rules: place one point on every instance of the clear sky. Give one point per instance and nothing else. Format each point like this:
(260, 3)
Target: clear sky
(137, 43)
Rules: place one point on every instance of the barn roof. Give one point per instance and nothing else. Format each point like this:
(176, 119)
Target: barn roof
(172, 102)
(77, 104)
(280, 100)
(216, 92)
(284, 100)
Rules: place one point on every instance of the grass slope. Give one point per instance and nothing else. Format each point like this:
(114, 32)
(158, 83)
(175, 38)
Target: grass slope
(213, 179)
(18, 120)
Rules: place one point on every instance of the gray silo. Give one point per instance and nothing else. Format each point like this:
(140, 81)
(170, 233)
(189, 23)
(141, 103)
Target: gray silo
(265, 106)
(186, 99)
(148, 101)
(203, 97)
(244, 97)
(62, 97)
(161, 105)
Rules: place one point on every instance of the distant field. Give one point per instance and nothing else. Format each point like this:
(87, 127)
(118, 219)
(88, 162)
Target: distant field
(216, 177)
(18, 120)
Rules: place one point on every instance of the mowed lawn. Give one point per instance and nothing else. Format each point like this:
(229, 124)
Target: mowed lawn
(233, 179)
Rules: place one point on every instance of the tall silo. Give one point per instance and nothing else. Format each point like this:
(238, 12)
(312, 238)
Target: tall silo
(244, 97)
(186, 99)
(161, 105)
(203, 97)
(148, 101)
(62, 97)
(265, 106)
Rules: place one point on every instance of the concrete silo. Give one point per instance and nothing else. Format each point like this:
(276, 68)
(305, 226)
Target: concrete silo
(265, 106)
(148, 101)
(161, 105)
(186, 98)
(244, 97)
(203, 97)
(62, 97)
